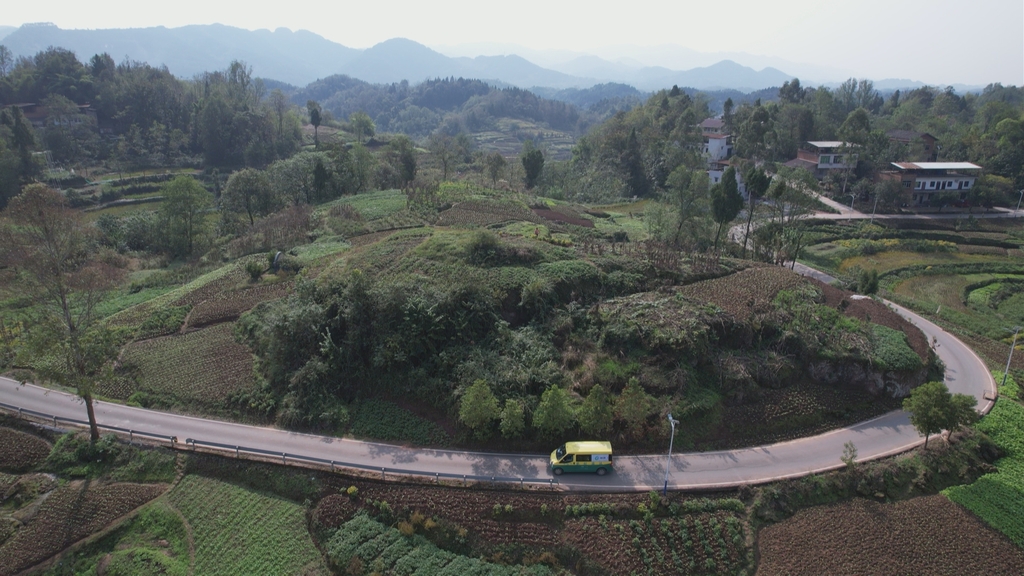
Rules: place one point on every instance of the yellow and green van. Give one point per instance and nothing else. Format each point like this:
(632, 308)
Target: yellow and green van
(589, 456)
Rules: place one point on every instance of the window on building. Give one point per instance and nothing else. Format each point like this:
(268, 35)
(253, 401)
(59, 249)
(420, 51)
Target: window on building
(907, 183)
(967, 184)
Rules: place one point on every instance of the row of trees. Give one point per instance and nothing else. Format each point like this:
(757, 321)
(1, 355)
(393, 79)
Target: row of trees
(558, 411)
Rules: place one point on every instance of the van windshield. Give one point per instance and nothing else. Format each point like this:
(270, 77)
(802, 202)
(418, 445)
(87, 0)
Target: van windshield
(560, 451)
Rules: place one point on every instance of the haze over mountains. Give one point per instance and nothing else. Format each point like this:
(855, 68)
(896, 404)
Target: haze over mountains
(301, 57)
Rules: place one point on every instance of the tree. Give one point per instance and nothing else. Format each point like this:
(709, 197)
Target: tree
(315, 116)
(726, 201)
(633, 407)
(554, 413)
(478, 408)
(249, 191)
(688, 190)
(757, 186)
(184, 211)
(596, 414)
(47, 239)
(361, 125)
(6, 61)
(495, 163)
(632, 163)
(404, 155)
(448, 149)
(961, 412)
(533, 163)
(512, 419)
(932, 409)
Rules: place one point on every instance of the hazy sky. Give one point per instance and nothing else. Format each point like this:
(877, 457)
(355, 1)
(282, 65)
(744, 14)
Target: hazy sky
(935, 41)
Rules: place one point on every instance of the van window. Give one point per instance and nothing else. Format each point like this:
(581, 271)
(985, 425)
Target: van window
(566, 460)
(583, 457)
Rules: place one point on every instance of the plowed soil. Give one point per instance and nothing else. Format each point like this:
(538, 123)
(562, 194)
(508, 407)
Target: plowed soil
(923, 536)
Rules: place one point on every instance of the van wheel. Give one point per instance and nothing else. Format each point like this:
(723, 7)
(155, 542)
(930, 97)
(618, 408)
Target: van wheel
(601, 471)
(557, 471)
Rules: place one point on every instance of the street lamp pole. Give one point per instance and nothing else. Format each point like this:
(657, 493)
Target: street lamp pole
(873, 208)
(852, 198)
(1017, 211)
(668, 461)
(1012, 346)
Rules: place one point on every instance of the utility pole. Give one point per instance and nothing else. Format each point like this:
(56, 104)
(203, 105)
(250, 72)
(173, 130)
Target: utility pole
(1012, 346)
(668, 461)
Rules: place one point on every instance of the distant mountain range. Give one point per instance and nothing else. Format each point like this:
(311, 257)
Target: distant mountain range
(301, 57)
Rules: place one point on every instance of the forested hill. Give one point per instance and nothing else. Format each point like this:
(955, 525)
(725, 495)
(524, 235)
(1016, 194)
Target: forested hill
(459, 103)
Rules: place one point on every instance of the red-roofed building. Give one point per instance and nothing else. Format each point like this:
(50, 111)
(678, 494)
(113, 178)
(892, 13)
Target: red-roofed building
(923, 146)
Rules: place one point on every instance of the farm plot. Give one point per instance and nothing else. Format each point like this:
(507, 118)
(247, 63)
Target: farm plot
(888, 261)
(363, 541)
(238, 531)
(153, 542)
(475, 213)
(746, 292)
(227, 306)
(927, 535)
(201, 368)
(21, 451)
(998, 498)
(690, 544)
(207, 286)
(70, 513)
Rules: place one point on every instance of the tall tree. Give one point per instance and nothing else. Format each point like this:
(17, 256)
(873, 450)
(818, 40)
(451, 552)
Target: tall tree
(757, 185)
(47, 239)
(495, 165)
(726, 201)
(249, 191)
(360, 124)
(478, 408)
(596, 413)
(554, 413)
(931, 409)
(186, 206)
(314, 118)
(533, 163)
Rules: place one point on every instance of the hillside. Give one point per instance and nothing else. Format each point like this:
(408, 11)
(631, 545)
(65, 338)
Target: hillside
(537, 300)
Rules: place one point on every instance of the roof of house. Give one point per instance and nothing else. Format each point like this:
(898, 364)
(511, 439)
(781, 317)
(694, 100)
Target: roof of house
(908, 135)
(713, 123)
(828, 143)
(717, 136)
(801, 163)
(936, 166)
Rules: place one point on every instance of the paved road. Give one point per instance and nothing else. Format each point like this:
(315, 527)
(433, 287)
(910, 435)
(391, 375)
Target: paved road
(882, 436)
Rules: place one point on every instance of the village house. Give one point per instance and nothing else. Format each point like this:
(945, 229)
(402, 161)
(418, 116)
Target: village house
(717, 144)
(924, 180)
(822, 157)
(922, 146)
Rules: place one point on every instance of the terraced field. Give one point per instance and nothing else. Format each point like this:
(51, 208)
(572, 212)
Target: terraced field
(238, 531)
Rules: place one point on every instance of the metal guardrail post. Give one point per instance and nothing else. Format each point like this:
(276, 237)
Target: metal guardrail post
(464, 480)
(284, 458)
(332, 465)
(382, 473)
(236, 451)
(131, 437)
(54, 421)
(437, 477)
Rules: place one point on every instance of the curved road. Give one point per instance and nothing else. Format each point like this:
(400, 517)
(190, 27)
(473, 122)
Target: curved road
(886, 435)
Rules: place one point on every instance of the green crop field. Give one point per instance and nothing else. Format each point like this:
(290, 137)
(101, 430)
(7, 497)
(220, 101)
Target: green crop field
(238, 531)
(998, 498)
(200, 368)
